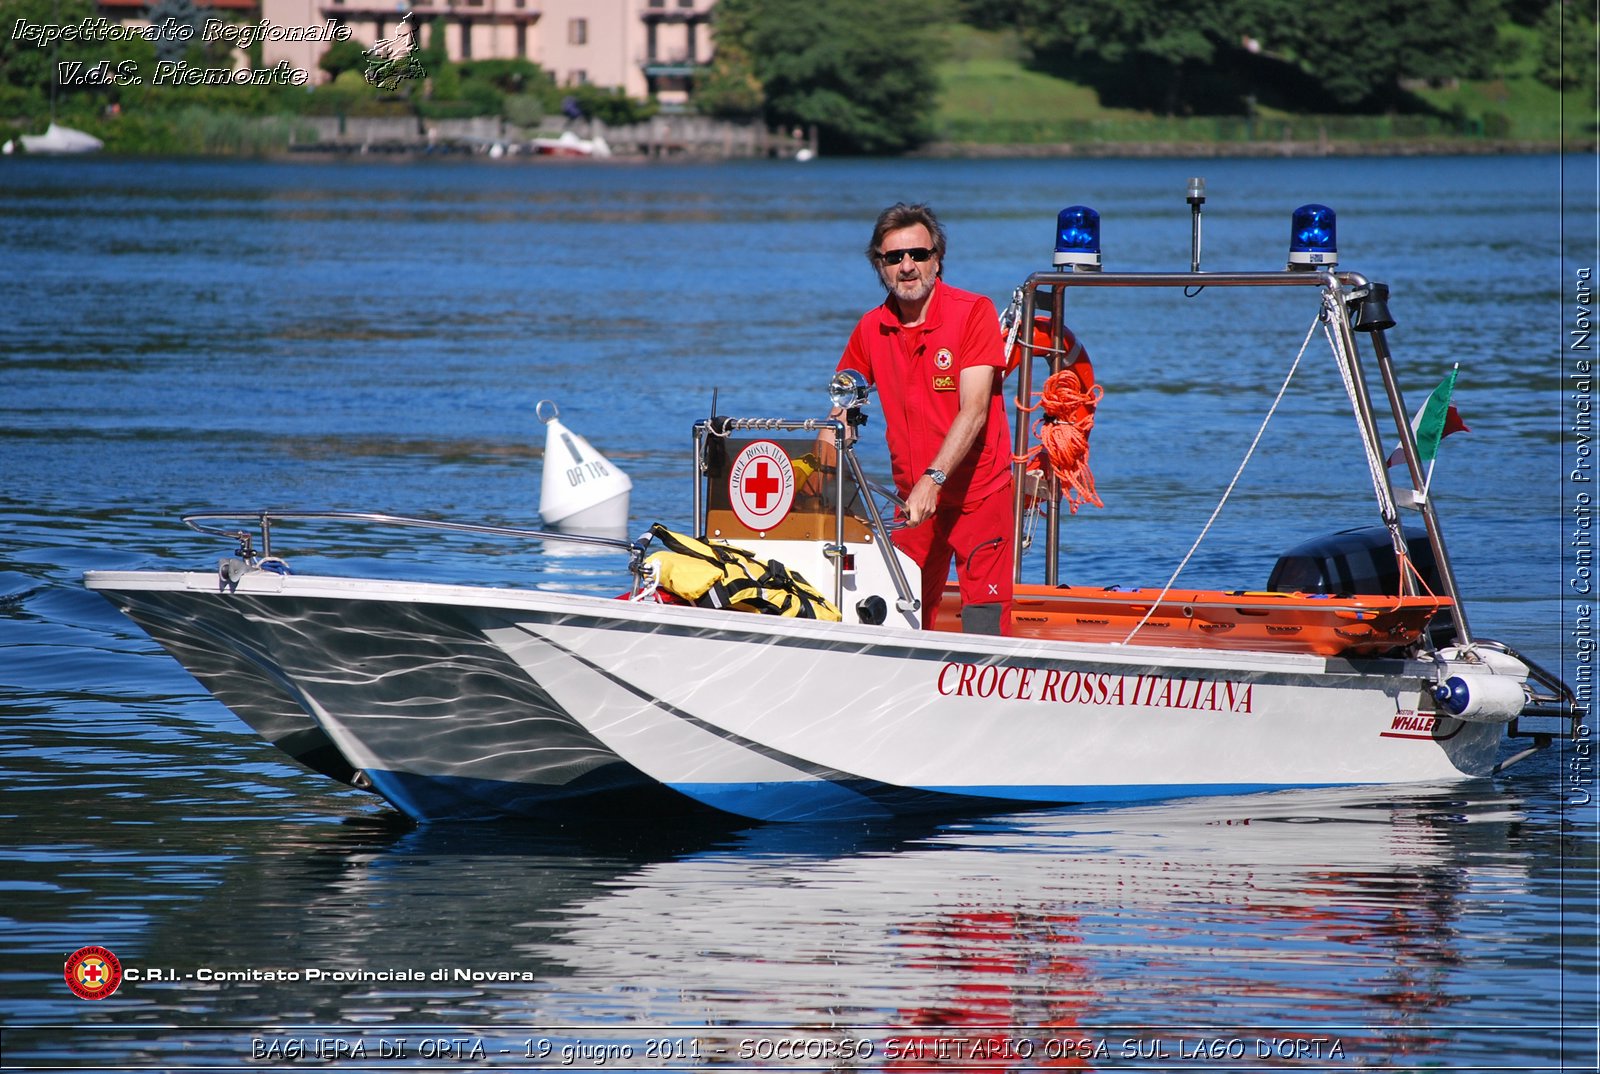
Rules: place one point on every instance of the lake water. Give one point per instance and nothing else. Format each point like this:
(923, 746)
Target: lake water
(176, 336)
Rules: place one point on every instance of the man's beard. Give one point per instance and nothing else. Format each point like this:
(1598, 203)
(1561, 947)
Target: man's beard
(921, 288)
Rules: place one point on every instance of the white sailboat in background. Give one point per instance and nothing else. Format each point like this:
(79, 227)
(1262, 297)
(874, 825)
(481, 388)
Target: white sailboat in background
(56, 139)
(59, 141)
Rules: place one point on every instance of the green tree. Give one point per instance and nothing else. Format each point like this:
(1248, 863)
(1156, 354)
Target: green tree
(1334, 56)
(510, 76)
(444, 77)
(1361, 61)
(728, 87)
(862, 74)
(611, 106)
(1158, 50)
(987, 14)
(342, 56)
(442, 80)
(524, 90)
(1566, 46)
(177, 24)
(30, 88)
(27, 63)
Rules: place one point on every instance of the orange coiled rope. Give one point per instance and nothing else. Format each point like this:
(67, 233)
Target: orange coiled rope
(1063, 434)
(1067, 404)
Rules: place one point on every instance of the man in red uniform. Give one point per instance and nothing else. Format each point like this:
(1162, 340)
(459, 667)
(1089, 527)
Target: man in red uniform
(936, 355)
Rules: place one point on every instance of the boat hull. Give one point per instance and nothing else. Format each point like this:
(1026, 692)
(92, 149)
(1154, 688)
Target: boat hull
(800, 723)
(465, 701)
(403, 697)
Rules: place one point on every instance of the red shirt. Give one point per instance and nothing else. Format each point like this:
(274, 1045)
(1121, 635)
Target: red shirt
(918, 375)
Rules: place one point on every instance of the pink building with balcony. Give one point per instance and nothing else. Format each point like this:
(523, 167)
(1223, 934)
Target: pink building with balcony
(643, 47)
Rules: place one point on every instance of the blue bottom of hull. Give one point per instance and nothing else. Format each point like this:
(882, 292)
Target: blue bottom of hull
(621, 791)
(614, 790)
(804, 800)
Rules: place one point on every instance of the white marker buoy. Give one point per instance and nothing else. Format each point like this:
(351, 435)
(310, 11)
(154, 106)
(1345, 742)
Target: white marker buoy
(581, 490)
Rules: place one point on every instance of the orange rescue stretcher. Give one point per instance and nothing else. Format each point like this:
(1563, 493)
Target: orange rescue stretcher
(1359, 625)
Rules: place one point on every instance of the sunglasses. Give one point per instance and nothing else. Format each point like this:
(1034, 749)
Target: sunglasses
(919, 254)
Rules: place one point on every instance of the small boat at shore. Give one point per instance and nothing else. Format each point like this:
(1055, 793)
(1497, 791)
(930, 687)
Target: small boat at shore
(60, 141)
(570, 144)
(464, 701)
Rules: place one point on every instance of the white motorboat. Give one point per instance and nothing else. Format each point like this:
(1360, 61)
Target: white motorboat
(463, 701)
(570, 144)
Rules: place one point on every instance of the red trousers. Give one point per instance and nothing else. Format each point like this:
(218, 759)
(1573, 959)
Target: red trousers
(977, 537)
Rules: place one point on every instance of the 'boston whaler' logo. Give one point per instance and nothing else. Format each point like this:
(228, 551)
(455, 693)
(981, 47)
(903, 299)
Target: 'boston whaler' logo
(761, 485)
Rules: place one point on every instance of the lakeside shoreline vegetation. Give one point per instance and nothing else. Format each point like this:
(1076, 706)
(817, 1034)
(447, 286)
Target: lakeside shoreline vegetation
(948, 77)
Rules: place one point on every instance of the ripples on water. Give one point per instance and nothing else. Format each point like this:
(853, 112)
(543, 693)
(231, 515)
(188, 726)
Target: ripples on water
(375, 338)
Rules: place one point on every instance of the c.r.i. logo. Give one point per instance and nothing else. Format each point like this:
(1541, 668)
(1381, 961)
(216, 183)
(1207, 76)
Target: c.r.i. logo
(93, 973)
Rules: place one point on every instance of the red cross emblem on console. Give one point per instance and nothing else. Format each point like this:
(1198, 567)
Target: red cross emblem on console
(761, 485)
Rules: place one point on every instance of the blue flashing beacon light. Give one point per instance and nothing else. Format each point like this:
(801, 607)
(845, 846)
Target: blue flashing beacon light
(1078, 237)
(1313, 238)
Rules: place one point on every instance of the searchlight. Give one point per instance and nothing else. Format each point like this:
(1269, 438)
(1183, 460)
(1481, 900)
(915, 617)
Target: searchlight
(1313, 238)
(1078, 238)
(848, 389)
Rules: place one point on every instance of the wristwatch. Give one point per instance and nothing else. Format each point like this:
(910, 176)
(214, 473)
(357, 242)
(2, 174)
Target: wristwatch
(937, 474)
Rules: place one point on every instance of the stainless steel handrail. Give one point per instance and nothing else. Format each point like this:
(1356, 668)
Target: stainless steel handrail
(905, 600)
(1056, 283)
(1347, 285)
(266, 517)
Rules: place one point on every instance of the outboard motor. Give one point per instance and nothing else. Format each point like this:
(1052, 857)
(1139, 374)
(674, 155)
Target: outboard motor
(1360, 560)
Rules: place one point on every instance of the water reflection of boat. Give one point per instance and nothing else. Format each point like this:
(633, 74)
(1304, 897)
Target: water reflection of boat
(367, 938)
(464, 700)
(1348, 907)
(1288, 909)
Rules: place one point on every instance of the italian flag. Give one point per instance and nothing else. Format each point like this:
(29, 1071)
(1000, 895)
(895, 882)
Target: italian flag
(1436, 420)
